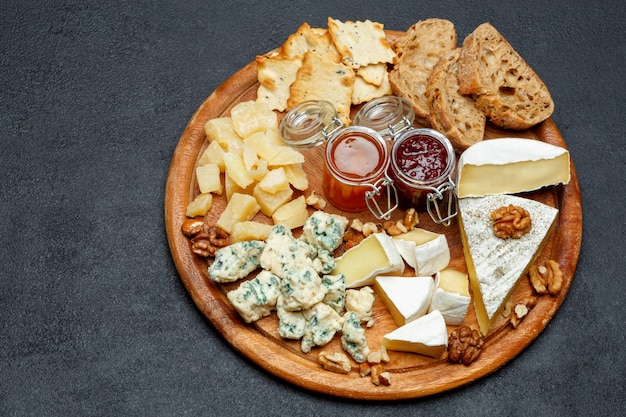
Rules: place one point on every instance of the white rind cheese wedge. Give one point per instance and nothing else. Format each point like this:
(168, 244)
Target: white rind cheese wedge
(451, 296)
(426, 252)
(426, 335)
(406, 298)
(511, 165)
(375, 255)
(495, 265)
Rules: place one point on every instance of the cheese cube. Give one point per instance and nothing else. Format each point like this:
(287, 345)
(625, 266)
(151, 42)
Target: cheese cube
(200, 205)
(222, 131)
(451, 297)
(237, 170)
(426, 335)
(293, 214)
(275, 180)
(250, 117)
(406, 298)
(241, 207)
(208, 178)
(213, 154)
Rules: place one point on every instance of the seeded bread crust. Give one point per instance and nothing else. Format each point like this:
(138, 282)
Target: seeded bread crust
(453, 114)
(417, 52)
(503, 85)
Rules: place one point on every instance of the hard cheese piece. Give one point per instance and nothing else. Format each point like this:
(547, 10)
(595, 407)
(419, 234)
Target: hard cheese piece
(424, 251)
(495, 265)
(511, 165)
(406, 298)
(375, 255)
(426, 335)
(451, 296)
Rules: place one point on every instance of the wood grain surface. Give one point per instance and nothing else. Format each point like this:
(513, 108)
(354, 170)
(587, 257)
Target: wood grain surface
(412, 375)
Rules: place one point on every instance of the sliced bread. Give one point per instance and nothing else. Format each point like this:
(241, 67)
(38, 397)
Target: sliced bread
(503, 85)
(453, 114)
(417, 52)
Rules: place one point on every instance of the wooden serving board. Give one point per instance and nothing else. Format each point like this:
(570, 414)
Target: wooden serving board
(412, 375)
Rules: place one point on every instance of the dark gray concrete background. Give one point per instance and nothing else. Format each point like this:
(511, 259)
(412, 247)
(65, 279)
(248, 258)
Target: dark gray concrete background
(94, 319)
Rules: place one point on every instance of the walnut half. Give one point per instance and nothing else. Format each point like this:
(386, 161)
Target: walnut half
(335, 362)
(464, 345)
(511, 222)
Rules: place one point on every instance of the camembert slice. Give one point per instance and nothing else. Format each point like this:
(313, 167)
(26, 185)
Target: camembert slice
(451, 296)
(511, 165)
(406, 298)
(495, 265)
(426, 252)
(375, 255)
(426, 335)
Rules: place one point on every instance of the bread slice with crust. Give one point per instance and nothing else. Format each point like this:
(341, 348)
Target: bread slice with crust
(417, 52)
(504, 86)
(453, 114)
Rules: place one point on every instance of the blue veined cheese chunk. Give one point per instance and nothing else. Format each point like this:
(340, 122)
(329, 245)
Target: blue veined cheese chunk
(322, 324)
(291, 324)
(361, 302)
(353, 338)
(257, 297)
(325, 231)
(336, 291)
(283, 252)
(236, 261)
(301, 289)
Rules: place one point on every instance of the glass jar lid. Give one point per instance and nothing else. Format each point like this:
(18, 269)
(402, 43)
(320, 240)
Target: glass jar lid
(309, 124)
(388, 115)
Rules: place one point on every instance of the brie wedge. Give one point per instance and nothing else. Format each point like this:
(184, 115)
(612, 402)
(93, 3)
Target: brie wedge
(424, 251)
(375, 255)
(511, 165)
(426, 335)
(495, 265)
(451, 296)
(406, 298)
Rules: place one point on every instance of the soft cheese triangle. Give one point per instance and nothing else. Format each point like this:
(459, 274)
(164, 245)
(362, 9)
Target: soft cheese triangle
(495, 265)
(406, 298)
(511, 165)
(375, 255)
(451, 296)
(426, 335)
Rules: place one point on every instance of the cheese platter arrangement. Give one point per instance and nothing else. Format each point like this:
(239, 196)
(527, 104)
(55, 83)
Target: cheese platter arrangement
(314, 256)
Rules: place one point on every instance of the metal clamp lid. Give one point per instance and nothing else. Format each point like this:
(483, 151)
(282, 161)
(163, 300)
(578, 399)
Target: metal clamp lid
(436, 197)
(392, 198)
(309, 124)
(388, 115)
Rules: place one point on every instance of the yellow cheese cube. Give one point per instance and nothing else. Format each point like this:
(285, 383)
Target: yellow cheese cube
(266, 142)
(222, 131)
(251, 116)
(200, 205)
(237, 169)
(240, 208)
(293, 214)
(208, 177)
(231, 187)
(296, 176)
(213, 154)
(270, 202)
(250, 157)
(286, 155)
(259, 171)
(275, 180)
(250, 230)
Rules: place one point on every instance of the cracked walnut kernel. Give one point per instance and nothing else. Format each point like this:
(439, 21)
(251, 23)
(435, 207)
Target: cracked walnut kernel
(511, 222)
(464, 345)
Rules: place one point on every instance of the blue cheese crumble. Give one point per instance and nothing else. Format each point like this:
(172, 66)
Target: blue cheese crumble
(322, 324)
(353, 339)
(361, 302)
(257, 297)
(236, 261)
(301, 289)
(336, 291)
(324, 231)
(291, 324)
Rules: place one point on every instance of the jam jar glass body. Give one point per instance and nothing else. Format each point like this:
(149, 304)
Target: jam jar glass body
(422, 162)
(355, 166)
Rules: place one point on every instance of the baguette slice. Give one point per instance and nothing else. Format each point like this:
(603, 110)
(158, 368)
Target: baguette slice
(417, 52)
(452, 113)
(504, 86)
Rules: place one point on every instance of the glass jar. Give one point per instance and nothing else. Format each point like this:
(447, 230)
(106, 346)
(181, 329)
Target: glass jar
(422, 167)
(309, 124)
(355, 172)
(388, 115)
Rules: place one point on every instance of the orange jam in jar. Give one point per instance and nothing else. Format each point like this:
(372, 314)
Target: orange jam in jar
(356, 159)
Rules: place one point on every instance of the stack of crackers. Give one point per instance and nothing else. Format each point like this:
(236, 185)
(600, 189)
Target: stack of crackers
(345, 64)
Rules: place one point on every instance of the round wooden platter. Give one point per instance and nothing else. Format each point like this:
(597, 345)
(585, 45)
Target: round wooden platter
(412, 375)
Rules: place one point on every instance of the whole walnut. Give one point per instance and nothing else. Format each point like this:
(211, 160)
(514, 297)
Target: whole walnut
(464, 345)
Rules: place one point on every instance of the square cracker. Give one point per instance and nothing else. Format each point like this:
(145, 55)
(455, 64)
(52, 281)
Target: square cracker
(275, 74)
(360, 43)
(320, 79)
(373, 73)
(364, 91)
(310, 39)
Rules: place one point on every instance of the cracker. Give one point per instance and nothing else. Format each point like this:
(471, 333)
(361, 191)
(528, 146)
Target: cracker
(310, 39)
(360, 43)
(373, 73)
(364, 91)
(275, 74)
(320, 79)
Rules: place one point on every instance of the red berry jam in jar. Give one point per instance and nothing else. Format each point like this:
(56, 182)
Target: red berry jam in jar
(422, 161)
(356, 159)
